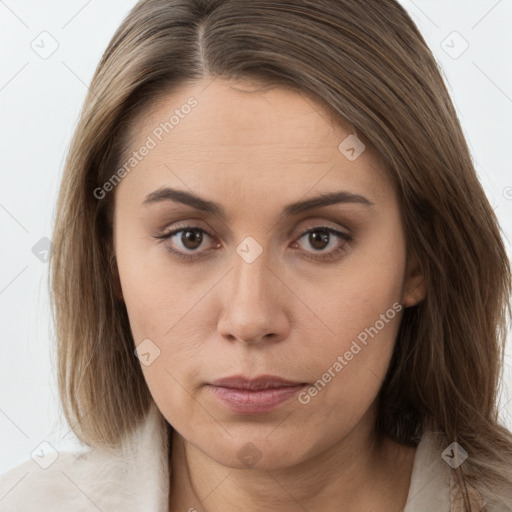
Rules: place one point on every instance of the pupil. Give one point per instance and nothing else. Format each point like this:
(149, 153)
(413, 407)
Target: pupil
(192, 239)
(319, 242)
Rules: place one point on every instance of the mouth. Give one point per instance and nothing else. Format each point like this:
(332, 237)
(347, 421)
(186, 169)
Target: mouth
(256, 383)
(257, 395)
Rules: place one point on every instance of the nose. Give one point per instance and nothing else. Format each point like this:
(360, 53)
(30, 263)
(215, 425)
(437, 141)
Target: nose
(255, 303)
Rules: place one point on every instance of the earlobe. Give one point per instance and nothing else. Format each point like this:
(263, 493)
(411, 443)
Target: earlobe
(415, 288)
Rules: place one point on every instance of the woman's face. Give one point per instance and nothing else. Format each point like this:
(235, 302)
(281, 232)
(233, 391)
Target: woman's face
(253, 285)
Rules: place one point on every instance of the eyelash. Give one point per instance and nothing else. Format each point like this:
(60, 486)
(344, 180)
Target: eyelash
(333, 255)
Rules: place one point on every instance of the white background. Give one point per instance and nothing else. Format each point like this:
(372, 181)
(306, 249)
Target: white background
(39, 104)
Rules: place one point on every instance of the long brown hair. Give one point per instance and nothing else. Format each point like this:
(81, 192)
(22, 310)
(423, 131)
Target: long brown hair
(367, 64)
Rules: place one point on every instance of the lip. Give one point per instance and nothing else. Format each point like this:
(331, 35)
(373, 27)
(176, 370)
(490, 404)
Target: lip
(256, 383)
(251, 396)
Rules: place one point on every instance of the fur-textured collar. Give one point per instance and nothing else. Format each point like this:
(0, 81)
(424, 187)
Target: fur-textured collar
(134, 478)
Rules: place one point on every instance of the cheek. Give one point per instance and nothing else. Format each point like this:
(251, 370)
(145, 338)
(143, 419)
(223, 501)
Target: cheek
(352, 353)
(161, 329)
(360, 313)
(166, 316)
(360, 296)
(153, 295)
(162, 307)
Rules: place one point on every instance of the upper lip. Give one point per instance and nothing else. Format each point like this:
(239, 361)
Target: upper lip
(260, 382)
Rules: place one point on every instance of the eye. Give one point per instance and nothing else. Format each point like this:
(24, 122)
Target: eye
(189, 238)
(321, 238)
(186, 242)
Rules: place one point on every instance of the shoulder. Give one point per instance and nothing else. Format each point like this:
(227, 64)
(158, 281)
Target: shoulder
(430, 479)
(436, 482)
(74, 481)
(134, 477)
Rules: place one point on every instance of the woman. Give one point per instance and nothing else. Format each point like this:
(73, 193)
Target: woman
(277, 281)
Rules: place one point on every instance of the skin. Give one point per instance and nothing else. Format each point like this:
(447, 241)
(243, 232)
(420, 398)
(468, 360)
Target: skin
(254, 151)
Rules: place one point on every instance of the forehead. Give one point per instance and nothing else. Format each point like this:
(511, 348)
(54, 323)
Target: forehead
(218, 135)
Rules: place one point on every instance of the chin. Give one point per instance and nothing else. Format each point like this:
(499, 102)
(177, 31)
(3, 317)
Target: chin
(256, 452)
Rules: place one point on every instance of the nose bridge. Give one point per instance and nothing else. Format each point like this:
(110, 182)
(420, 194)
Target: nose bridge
(250, 280)
(251, 308)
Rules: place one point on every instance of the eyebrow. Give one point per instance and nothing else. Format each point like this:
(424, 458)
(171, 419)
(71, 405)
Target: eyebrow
(182, 196)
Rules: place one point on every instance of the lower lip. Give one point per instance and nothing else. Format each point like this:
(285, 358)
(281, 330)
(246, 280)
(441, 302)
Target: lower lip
(257, 401)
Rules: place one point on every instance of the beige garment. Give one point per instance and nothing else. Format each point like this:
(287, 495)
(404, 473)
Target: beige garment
(137, 479)
(433, 485)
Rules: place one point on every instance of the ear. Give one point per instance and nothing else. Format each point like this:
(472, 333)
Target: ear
(116, 281)
(415, 287)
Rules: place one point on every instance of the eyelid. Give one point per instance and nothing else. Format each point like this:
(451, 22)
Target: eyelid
(322, 223)
(321, 257)
(295, 232)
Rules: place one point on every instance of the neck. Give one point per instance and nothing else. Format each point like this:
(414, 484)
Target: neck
(356, 473)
